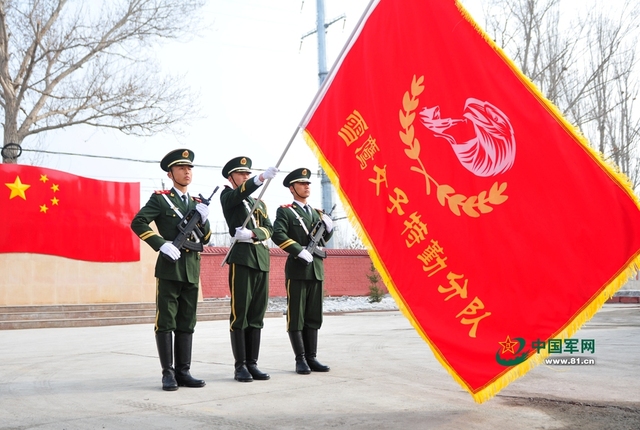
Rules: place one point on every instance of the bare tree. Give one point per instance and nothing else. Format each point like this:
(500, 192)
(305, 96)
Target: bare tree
(584, 63)
(611, 122)
(346, 237)
(65, 62)
(529, 31)
(623, 132)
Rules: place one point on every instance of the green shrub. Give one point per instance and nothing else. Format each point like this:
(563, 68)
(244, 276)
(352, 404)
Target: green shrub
(375, 293)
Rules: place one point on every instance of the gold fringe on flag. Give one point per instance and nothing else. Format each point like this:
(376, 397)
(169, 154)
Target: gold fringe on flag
(629, 269)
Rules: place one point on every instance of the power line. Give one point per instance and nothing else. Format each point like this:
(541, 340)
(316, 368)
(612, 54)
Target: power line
(135, 160)
(108, 157)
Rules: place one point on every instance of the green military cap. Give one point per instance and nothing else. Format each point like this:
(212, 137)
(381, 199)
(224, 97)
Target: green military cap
(299, 175)
(238, 164)
(177, 157)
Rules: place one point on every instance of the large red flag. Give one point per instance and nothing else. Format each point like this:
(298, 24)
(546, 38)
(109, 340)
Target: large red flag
(52, 212)
(497, 229)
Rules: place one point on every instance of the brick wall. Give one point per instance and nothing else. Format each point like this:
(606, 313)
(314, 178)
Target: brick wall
(346, 273)
(624, 299)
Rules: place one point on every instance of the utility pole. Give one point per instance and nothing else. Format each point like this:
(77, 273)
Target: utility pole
(320, 30)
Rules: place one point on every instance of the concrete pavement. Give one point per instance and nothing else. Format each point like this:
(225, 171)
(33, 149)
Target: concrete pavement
(383, 376)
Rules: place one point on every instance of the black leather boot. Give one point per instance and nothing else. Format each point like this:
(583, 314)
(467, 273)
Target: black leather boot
(241, 372)
(252, 343)
(182, 348)
(297, 344)
(310, 336)
(164, 342)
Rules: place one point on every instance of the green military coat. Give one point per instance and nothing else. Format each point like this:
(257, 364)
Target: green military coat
(235, 207)
(290, 236)
(158, 210)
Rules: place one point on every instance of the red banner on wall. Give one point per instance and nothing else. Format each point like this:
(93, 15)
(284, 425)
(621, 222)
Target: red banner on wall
(52, 212)
(494, 225)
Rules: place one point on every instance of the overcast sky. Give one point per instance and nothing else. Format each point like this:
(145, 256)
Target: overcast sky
(255, 79)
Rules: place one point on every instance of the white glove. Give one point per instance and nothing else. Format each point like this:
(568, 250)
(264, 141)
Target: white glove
(270, 173)
(306, 256)
(243, 233)
(171, 250)
(328, 222)
(204, 211)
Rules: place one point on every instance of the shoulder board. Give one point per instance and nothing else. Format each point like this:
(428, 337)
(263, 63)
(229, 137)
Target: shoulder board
(162, 191)
(286, 206)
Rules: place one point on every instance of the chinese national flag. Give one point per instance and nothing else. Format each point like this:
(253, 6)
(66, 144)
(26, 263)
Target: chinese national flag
(494, 225)
(52, 212)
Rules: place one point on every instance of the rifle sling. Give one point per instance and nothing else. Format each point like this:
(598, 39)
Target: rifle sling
(172, 206)
(306, 230)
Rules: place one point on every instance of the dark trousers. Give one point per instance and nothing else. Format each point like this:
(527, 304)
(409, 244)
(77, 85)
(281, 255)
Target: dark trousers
(249, 296)
(176, 305)
(304, 304)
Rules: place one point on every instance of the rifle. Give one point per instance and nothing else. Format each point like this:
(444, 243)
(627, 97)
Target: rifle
(189, 225)
(316, 239)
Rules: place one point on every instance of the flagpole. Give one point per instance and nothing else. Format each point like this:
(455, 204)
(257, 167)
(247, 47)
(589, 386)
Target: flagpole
(264, 188)
(310, 109)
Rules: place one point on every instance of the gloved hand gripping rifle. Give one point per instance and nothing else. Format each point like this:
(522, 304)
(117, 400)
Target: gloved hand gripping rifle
(189, 225)
(315, 238)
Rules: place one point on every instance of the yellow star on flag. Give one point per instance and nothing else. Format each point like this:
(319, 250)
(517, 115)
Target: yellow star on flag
(54, 201)
(55, 187)
(17, 188)
(44, 208)
(508, 345)
(43, 178)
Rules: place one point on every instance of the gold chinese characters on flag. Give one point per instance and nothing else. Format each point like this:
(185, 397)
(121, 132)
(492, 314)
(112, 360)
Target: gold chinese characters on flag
(492, 222)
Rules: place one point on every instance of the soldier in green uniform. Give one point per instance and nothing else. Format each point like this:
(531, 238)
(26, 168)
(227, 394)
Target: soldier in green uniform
(304, 272)
(248, 264)
(177, 271)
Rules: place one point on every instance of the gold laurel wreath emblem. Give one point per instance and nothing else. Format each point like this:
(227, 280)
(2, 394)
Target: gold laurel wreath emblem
(473, 206)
